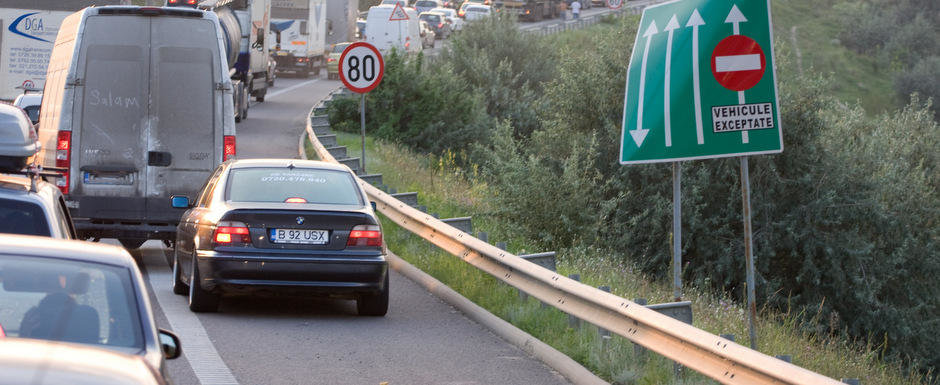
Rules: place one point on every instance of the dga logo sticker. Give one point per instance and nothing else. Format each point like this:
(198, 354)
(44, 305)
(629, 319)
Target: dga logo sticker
(31, 27)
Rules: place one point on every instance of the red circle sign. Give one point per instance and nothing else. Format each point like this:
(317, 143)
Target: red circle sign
(361, 67)
(738, 62)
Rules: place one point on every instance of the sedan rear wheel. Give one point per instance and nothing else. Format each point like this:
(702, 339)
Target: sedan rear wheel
(374, 304)
(199, 299)
(178, 286)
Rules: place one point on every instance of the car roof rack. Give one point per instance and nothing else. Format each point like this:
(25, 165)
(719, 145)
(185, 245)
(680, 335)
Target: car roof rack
(34, 172)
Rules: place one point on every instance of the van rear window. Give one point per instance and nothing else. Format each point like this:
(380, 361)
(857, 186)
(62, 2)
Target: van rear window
(300, 185)
(24, 218)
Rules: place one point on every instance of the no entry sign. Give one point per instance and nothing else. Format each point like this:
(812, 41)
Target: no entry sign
(738, 63)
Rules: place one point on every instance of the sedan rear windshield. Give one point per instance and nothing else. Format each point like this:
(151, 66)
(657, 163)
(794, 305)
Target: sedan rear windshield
(424, 4)
(433, 19)
(19, 217)
(65, 300)
(278, 184)
(339, 48)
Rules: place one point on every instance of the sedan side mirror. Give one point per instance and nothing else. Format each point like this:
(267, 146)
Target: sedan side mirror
(170, 344)
(180, 202)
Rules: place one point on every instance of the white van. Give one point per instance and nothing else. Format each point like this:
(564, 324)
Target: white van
(387, 34)
(137, 107)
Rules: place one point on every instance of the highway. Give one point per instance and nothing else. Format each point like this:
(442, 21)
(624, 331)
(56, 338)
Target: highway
(422, 340)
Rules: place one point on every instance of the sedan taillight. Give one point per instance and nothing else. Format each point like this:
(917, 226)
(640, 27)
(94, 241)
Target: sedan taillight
(231, 233)
(365, 235)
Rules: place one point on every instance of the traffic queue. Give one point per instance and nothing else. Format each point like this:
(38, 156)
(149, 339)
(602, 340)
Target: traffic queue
(136, 141)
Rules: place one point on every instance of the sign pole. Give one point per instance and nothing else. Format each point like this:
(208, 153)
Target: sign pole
(748, 251)
(362, 124)
(677, 230)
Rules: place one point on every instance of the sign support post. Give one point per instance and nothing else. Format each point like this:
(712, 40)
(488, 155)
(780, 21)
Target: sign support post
(677, 230)
(362, 124)
(748, 252)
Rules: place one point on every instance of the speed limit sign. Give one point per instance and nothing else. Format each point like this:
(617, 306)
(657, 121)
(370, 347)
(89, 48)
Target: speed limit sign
(361, 67)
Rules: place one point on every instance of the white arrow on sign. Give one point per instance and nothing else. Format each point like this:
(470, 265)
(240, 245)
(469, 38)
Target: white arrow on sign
(670, 26)
(696, 21)
(736, 18)
(639, 133)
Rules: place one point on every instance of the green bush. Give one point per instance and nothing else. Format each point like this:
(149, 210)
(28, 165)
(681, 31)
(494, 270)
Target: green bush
(923, 79)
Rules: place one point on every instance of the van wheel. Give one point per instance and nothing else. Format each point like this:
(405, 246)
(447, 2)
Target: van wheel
(199, 299)
(375, 305)
(261, 94)
(131, 244)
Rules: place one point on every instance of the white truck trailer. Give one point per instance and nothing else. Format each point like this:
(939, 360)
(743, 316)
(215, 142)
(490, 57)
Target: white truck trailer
(298, 28)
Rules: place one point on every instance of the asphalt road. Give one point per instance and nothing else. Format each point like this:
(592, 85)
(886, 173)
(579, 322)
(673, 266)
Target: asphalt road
(321, 341)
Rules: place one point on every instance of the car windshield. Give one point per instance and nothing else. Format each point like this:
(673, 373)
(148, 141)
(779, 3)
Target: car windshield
(278, 184)
(33, 112)
(431, 18)
(65, 300)
(424, 4)
(477, 9)
(339, 48)
(19, 217)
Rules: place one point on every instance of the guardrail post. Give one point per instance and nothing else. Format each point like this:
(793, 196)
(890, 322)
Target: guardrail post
(852, 381)
(601, 331)
(639, 351)
(785, 357)
(574, 322)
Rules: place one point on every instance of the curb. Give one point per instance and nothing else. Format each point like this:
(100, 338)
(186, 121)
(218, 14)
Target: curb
(567, 367)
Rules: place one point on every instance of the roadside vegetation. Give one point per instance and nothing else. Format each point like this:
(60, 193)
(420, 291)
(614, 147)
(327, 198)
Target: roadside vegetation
(523, 133)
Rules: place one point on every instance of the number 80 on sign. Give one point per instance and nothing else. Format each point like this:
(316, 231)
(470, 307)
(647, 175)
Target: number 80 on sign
(361, 67)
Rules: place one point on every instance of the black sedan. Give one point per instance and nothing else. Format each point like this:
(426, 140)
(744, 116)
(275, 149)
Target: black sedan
(79, 292)
(295, 227)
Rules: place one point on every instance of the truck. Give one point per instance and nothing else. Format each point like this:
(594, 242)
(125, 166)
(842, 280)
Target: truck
(530, 10)
(25, 44)
(243, 25)
(137, 108)
(298, 28)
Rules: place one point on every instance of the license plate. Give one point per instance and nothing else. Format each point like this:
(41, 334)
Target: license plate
(300, 236)
(125, 179)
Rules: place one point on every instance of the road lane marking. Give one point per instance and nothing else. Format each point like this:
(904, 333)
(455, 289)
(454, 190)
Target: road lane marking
(199, 350)
(291, 88)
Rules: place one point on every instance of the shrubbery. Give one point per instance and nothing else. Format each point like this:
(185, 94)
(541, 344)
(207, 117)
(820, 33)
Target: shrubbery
(845, 220)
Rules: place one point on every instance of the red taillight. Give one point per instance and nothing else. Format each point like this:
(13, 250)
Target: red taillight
(229, 233)
(330, 60)
(295, 200)
(365, 235)
(228, 147)
(63, 158)
(172, 1)
(440, 25)
(191, 2)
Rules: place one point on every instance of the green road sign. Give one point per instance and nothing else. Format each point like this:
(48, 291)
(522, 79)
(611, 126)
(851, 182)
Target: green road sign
(701, 83)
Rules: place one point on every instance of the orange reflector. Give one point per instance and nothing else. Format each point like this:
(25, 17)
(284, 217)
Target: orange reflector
(295, 200)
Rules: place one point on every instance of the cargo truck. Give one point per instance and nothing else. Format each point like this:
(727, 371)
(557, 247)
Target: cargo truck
(243, 23)
(298, 28)
(137, 108)
(530, 10)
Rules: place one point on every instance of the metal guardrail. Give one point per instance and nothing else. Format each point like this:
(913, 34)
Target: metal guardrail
(706, 353)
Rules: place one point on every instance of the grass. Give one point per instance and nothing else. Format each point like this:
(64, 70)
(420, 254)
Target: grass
(446, 189)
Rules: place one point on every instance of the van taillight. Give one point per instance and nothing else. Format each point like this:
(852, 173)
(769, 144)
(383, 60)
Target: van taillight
(228, 147)
(63, 158)
(365, 235)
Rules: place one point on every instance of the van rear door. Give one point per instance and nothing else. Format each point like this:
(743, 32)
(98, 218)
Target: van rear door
(111, 110)
(185, 141)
